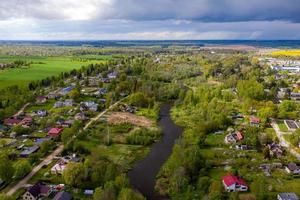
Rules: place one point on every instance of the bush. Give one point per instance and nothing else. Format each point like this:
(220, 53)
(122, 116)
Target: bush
(22, 168)
(142, 136)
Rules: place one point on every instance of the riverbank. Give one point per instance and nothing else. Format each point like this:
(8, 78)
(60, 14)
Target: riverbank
(143, 175)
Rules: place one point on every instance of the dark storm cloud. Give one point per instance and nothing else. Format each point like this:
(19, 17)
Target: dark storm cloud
(210, 10)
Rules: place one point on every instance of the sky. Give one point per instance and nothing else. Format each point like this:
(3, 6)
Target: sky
(149, 19)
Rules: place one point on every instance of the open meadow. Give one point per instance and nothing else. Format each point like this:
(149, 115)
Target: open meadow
(40, 68)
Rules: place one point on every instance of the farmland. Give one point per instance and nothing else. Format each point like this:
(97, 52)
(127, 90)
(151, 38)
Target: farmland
(288, 53)
(40, 68)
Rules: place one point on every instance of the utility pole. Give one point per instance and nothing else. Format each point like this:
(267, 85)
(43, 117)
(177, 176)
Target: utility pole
(108, 134)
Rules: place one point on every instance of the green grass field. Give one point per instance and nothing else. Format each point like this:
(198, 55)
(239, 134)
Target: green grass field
(43, 67)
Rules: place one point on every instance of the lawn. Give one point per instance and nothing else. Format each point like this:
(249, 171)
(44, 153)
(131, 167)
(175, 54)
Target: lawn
(42, 67)
(43, 106)
(282, 126)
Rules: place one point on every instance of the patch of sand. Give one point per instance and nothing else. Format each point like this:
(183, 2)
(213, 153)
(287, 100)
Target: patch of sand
(123, 117)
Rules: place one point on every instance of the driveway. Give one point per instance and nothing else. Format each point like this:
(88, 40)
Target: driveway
(282, 141)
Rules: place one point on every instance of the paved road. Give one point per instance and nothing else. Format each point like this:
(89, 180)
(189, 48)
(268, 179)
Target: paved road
(46, 161)
(282, 141)
(21, 110)
(22, 183)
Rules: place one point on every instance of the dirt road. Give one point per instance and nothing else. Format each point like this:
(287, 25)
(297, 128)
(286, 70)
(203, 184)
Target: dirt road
(46, 161)
(282, 141)
(22, 183)
(21, 110)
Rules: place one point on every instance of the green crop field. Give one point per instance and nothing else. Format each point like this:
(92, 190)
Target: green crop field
(41, 68)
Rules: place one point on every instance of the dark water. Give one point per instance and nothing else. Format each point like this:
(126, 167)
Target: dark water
(142, 176)
(164, 43)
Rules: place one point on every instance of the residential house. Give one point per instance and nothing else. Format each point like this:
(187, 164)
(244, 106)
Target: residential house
(36, 192)
(89, 105)
(254, 121)
(275, 150)
(290, 69)
(58, 168)
(234, 137)
(102, 91)
(54, 132)
(287, 196)
(238, 116)
(41, 99)
(66, 90)
(295, 96)
(292, 125)
(52, 95)
(30, 150)
(58, 104)
(65, 123)
(105, 80)
(266, 168)
(80, 116)
(94, 81)
(68, 102)
(112, 75)
(72, 158)
(102, 100)
(283, 93)
(39, 141)
(27, 121)
(234, 183)
(88, 192)
(242, 147)
(292, 168)
(12, 121)
(63, 196)
(41, 113)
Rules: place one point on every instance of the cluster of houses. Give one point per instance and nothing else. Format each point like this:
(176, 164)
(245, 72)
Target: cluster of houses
(23, 121)
(286, 93)
(234, 183)
(60, 166)
(291, 66)
(275, 150)
(28, 147)
(234, 137)
(65, 103)
(94, 81)
(42, 190)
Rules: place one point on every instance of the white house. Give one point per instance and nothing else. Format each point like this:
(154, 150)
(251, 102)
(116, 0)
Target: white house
(58, 168)
(292, 168)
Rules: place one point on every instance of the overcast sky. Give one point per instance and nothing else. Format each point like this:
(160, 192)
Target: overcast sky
(149, 19)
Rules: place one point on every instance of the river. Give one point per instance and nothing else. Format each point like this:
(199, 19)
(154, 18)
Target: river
(142, 176)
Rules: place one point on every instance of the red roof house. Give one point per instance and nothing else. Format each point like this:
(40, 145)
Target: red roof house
(54, 132)
(239, 136)
(11, 121)
(234, 183)
(254, 120)
(27, 121)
